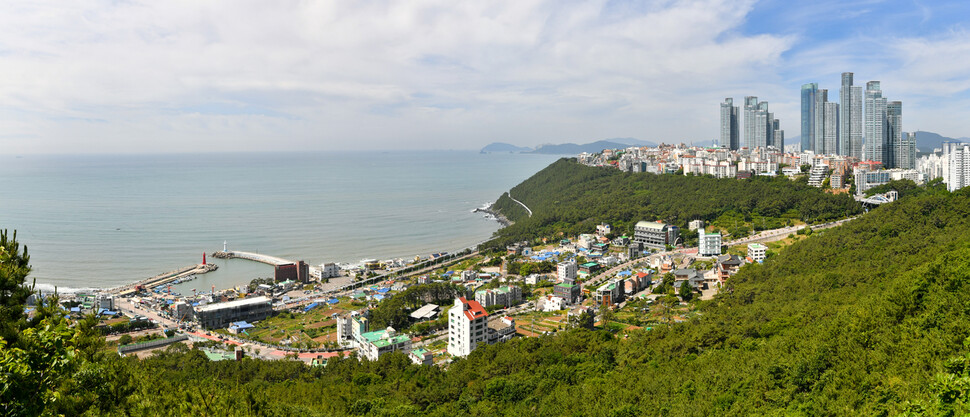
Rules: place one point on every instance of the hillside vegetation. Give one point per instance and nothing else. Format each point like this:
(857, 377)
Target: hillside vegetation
(870, 318)
(571, 198)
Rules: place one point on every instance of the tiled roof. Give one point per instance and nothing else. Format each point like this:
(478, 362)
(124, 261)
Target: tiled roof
(475, 310)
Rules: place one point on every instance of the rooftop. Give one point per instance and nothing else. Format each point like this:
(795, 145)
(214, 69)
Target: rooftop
(390, 341)
(426, 311)
(650, 225)
(374, 336)
(474, 310)
(234, 304)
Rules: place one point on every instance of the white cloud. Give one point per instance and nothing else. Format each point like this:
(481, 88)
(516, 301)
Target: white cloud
(99, 76)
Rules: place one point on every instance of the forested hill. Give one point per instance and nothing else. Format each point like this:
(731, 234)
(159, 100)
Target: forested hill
(869, 318)
(572, 198)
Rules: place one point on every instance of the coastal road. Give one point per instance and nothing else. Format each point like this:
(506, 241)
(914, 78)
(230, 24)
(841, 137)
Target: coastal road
(520, 203)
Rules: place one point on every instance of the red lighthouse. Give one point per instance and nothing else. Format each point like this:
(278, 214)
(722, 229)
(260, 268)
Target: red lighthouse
(203, 258)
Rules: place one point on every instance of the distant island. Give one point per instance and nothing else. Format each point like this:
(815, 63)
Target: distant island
(501, 147)
(567, 148)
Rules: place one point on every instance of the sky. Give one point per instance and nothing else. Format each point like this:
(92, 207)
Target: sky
(213, 76)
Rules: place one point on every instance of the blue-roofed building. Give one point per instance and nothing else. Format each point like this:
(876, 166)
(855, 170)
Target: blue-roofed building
(333, 301)
(239, 327)
(310, 307)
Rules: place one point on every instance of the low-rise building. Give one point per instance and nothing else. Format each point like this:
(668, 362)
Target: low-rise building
(708, 244)
(696, 224)
(501, 330)
(757, 252)
(421, 357)
(726, 266)
(299, 272)
(219, 315)
(655, 235)
(504, 296)
(552, 303)
(375, 344)
(611, 292)
(637, 282)
(589, 268)
(695, 278)
(328, 270)
(426, 312)
(567, 291)
(182, 311)
(566, 270)
(534, 279)
(603, 229)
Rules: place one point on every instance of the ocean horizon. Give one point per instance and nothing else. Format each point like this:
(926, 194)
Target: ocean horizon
(98, 221)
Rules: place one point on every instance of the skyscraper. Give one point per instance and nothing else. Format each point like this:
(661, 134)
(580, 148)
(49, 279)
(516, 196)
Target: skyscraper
(850, 117)
(830, 138)
(769, 126)
(875, 140)
(777, 135)
(750, 107)
(895, 147)
(729, 125)
(822, 122)
(907, 152)
(808, 116)
(762, 119)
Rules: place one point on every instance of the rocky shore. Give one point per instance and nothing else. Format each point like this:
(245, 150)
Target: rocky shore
(492, 213)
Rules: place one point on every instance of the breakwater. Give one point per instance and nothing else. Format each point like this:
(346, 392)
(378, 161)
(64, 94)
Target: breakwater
(164, 278)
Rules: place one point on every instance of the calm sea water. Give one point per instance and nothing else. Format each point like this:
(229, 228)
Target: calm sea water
(102, 221)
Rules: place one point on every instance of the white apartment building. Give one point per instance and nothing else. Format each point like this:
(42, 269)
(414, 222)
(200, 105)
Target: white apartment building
(957, 165)
(757, 252)
(467, 327)
(566, 271)
(708, 244)
(327, 270)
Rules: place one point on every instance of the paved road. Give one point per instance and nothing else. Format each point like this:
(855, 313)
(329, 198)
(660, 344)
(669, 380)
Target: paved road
(265, 351)
(521, 203)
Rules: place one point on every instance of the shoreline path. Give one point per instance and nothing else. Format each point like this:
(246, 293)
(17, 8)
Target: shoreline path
(520, 203)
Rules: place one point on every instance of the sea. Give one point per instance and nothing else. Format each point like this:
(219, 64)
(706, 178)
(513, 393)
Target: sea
(100, 221)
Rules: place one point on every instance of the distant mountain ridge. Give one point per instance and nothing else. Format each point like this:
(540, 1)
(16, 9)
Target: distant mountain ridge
(504, 147)
(568, 148)
(927, 141)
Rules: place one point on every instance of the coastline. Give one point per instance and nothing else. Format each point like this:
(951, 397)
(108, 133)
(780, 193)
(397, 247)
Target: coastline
(273, 211)
(492, 214)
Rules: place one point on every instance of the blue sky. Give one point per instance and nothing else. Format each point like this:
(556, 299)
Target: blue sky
(142, 77)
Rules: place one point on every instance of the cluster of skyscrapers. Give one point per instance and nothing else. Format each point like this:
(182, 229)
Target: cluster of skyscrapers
(761, 128)
(844, 129)
(829, 128)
